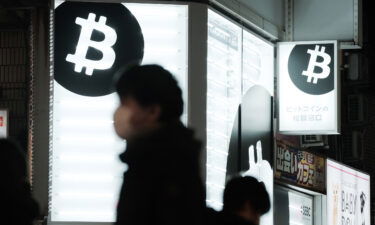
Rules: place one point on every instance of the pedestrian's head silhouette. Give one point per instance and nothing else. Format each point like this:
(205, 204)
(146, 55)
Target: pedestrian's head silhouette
(149, 94)
(20, 208)
(246, 197)
(12, 163)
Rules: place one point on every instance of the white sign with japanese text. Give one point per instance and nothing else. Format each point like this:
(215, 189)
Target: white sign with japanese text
(300, 208)
(298, 167)
(3, 123)
(307, 87)
(348, 195)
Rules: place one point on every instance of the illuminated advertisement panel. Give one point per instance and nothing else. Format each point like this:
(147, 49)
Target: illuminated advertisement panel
(239, 107)
(223, 98)
(92, 41)
(300, 209)
(308, 87)
(298, 167)
(348, 195)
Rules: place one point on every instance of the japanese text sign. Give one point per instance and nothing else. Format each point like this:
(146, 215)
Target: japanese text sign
(308, 87)
(348, 195)
(300, 168)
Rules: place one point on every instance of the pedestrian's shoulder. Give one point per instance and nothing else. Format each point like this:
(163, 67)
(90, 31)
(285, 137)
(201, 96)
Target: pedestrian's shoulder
(212, 216)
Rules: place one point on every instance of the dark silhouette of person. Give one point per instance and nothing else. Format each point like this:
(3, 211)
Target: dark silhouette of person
(245, 201)
(162, 184)
(19, 208)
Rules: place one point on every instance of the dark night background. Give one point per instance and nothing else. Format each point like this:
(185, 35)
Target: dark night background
(15, 14)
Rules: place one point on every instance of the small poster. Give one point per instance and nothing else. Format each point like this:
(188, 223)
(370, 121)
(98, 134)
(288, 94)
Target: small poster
(3, 123)
(301, 209)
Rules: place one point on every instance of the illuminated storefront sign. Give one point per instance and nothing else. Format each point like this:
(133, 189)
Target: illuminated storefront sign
(223, 98)
(308, 87)
(299, 167)
(3, 123)
(240, 78)
(92, 41)
(348, 195)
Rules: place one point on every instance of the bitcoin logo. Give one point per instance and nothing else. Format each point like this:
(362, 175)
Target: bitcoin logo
(314, 77)
(92, 42)
(84, 42)
(311, 67)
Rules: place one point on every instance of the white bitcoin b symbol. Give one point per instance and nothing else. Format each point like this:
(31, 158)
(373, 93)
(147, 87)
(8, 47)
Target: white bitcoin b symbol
(84, 42)
(311, 76)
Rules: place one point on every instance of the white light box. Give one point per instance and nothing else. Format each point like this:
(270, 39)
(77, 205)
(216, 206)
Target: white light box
(86, 173)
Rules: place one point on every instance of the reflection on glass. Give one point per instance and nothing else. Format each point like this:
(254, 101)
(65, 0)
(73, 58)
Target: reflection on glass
(223, 97)
(257, 63)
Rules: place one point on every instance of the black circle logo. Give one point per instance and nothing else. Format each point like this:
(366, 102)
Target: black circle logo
(311, 68)
(92, 41)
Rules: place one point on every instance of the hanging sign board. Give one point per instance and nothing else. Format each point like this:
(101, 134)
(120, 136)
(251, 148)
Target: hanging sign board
(308, 88)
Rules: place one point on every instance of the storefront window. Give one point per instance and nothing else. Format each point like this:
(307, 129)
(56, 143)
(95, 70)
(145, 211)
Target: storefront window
(237, 60)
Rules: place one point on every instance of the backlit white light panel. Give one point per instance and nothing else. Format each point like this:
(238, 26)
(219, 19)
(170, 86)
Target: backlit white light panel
(86, 173)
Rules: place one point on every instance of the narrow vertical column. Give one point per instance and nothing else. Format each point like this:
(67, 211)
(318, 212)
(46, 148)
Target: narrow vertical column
(41, 106)
(197, 74)
(289, 11)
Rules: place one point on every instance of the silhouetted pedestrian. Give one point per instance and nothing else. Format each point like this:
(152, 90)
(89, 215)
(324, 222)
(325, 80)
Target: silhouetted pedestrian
(245, 201)
(162, 184)
(18, 207)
